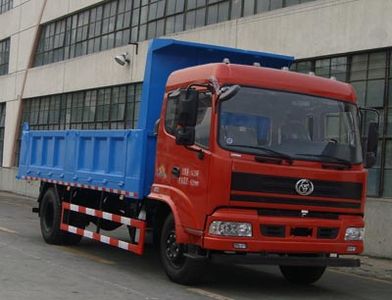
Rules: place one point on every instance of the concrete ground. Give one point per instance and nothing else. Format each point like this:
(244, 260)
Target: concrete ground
(31, 269)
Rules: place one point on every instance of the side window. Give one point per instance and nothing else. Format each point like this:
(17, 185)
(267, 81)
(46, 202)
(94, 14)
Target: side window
(332, 126)
(309, 124)
(171, 114)
(337, 127)
(203, 125)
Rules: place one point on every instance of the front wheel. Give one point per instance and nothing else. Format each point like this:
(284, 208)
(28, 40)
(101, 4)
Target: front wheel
(302, 275)
(179, 268)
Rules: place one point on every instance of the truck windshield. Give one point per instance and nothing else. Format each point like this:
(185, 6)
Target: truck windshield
(297, 126)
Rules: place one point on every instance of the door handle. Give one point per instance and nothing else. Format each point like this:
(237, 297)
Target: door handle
(176, 171)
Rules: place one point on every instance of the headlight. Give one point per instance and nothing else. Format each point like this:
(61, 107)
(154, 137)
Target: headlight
(230, 228)
(354, 234)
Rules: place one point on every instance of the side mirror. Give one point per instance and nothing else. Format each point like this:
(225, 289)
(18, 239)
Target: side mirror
(185, 136)
(372, 145)
(186, 115)
(187, 108)
(370, 140)
(228, 92)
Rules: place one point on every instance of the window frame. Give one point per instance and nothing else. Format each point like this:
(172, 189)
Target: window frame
(3, 107)
(133, 21)
(5, 50)
(6, 5)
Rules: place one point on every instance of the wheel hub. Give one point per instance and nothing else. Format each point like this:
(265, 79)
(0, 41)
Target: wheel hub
(173, 250)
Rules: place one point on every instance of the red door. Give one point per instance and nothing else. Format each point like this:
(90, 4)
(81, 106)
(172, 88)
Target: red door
(186, 169)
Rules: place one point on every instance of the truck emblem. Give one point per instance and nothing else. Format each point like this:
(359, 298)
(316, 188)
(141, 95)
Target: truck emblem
(304, 187)
(304, 213)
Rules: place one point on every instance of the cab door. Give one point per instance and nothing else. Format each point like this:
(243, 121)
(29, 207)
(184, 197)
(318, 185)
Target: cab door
(187, 167)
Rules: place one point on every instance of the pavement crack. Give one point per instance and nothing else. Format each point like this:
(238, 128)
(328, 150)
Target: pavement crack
(7, 230)
(208, 294)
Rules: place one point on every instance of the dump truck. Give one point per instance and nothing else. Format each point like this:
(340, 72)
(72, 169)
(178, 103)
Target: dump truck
(235, 159)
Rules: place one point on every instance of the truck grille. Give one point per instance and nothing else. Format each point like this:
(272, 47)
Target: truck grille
(344, 195)
(290, 201)
(279, 231)
(297, 214)
(327, 233)
(286, 185)
(273, 230)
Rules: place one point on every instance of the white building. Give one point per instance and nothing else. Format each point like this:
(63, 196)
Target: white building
(57, 69)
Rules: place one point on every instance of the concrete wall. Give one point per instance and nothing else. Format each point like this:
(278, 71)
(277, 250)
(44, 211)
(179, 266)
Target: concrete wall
(378, 233)
(21, 25)
(94, 70)
(9, 183)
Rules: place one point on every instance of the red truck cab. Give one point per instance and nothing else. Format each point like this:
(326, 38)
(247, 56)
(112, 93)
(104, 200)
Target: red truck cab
(269, 170)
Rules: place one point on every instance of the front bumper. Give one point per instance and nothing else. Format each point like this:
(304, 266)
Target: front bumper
(289, 242)
(257, 259)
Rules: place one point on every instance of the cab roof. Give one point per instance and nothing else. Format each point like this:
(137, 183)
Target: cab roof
(275, 79)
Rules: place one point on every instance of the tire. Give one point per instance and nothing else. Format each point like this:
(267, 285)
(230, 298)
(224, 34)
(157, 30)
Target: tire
(302, 275)
(50, 219)
(180, 269)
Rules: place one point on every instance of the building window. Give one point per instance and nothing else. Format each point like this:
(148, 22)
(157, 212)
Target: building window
(104, 108)
(118, 22)
(4, 56)
(388, 134)
(6, 5)
(370, 73)
(2, 125)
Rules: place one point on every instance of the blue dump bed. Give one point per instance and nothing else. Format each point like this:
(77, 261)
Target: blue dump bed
(123, 160)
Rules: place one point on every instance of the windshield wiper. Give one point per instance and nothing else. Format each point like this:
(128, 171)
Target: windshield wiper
(275, 154)
(336, 159)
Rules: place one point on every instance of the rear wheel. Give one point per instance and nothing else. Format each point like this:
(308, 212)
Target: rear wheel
(302, 275)
(179, 268)
(50, 219)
